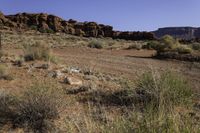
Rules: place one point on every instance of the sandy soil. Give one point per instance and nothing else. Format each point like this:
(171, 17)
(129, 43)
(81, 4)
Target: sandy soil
(128, 63)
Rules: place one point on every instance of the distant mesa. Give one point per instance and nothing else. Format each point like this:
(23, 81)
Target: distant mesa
(186, 33)
(50, 24)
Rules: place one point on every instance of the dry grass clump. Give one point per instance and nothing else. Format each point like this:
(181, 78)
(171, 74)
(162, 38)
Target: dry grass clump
(7, 105)
(96, 44)
(4, 73)
(35, 110)
(38, 51)
(166, 89)
(163, 93)
(154, 102)
(135, 46)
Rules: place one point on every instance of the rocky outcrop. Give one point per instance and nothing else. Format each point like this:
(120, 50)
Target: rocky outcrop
(186, 33)
(50, 23)
(4, 22)
(134, 35)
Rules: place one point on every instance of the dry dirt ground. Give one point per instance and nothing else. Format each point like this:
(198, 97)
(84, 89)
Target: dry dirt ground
(127, 63)
(112, 59)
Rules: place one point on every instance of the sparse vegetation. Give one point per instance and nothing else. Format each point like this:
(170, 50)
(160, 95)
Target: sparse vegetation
(168, 44)
(4, 73)
(151, 45)
(42, 30)
(1, 54)
(183, 49)
(135, 46)
(156, 90)
(33, 27)
(96, 44)
(38, 51)
(112, 100)
(150, 107)
(164, 90)
(35, 110)
(195, 46)
(38, 108)
(7, 106)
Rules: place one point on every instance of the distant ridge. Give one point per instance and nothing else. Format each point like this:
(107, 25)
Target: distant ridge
(49, 23)
(186, 33)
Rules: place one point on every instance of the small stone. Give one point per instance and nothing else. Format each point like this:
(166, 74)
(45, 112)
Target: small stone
(73, 81)
(90, 77)
(56, 74)
(41, 66)
(18, 63)
(77, 90)
(74, 70)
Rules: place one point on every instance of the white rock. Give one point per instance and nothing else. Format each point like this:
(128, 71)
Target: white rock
(73, 81)
(56, 74)
(74, 70)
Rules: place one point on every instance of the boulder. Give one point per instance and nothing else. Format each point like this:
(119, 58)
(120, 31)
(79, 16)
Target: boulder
(41, 66)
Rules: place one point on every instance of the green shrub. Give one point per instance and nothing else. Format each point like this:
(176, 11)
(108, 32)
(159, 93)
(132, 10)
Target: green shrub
(196, 46)
(183, 49)
(151, 45)
(42, 30)
(167, 44)
(33, 27)
(96, 44)
(37, 51)
(135, 46)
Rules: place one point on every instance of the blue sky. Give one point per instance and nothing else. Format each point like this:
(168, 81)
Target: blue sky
(132, 15)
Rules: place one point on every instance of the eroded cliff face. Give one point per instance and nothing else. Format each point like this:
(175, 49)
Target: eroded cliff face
(50, 23)
(179, 32)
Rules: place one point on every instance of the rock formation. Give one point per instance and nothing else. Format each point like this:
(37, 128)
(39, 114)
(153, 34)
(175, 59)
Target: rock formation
(50, 23)
(187, 33)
